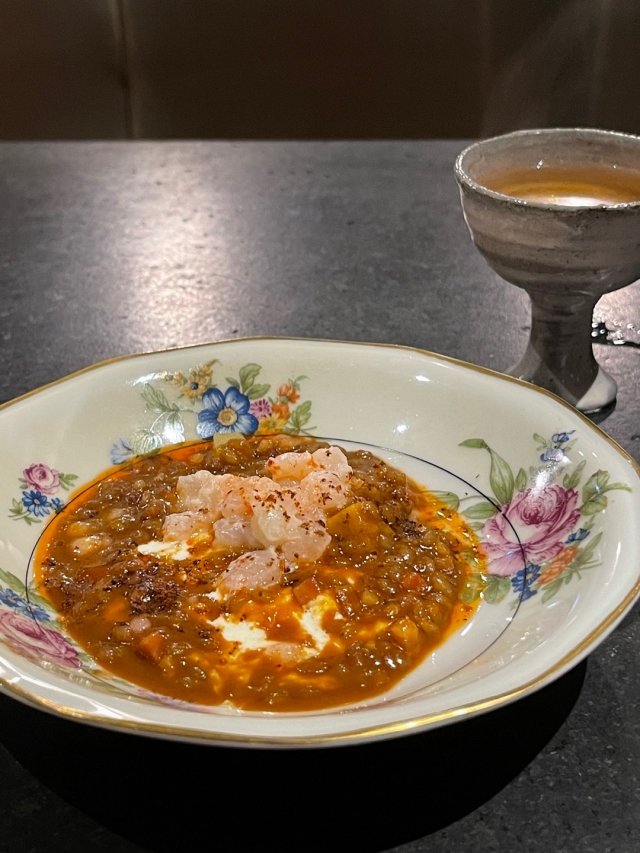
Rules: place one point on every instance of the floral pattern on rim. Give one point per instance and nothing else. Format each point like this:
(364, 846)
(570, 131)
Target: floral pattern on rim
(538, 534)
(225, 413)
(38, 485)
(243, 406)
(22, 614)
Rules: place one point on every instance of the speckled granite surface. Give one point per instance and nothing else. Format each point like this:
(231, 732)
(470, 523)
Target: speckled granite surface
(111, 248)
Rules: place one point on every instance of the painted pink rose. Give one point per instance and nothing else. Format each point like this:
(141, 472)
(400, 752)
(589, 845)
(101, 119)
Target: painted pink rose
(39, 476)
(542, 518)
(36, 642)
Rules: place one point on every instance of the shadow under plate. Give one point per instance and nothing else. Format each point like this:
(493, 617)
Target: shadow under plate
(164, 795)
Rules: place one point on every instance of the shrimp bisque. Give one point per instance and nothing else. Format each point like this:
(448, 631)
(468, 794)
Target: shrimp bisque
(273, 573)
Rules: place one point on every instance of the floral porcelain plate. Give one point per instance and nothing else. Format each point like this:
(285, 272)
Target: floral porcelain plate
(552, 499)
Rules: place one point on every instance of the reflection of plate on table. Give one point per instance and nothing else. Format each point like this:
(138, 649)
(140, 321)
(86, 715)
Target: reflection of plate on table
(539, 483)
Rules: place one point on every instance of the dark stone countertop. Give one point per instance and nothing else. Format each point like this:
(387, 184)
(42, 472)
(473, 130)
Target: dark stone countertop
(114, 248)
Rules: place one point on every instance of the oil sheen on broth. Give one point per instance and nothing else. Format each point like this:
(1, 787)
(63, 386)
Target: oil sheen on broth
(573, 185)
(274, 573)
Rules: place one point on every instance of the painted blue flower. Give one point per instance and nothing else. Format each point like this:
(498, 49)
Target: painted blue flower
(36, 503)
(578, 535)
(225, 413)
(57, 505)
(12, 599)
(523, 580)
(561, 437)
(120, 451)
(552, 454)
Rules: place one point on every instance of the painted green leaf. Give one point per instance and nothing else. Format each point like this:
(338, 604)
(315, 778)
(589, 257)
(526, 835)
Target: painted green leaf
(484, 509)
(497, 589)
(500, 474)
(144, 441)
(572, 481)
(304, 408)
(173, 431)
(469, 556)
(541, 440)
(585, 554)
(257, 391)
(596, 504)
(501, 478)
(521, 480)
(595, 485)
(448, 499)
(17, 508)
(301, 415)
(472, 589)
(551, 589)
(233, 382)
(155, 400)
(12, 582)
(303, 420)
(18, 511)
(248, 376)
(67, 481)
(476, 525)
(38, 600)
(622, 486)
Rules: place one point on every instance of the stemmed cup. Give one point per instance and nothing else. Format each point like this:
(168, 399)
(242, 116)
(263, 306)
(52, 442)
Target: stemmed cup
(565, 253)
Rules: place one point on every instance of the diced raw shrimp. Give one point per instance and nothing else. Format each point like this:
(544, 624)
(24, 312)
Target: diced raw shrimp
(324, 489)
(308, 542)
(181, 526)
(291, 467)
(272, 524)
(276, 511)
(192, 489)
(234, 534)
(204, 490)
(333, 459)
(243, 495)
(253, 570)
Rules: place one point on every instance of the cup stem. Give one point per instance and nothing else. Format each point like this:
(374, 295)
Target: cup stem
(559, 355)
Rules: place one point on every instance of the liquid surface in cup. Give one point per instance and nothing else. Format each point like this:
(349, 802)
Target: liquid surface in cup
(576, 186)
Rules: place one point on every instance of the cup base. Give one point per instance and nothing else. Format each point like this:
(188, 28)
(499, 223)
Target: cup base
(601, 393)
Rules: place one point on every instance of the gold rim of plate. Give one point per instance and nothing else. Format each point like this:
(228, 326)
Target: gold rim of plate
(370, 732)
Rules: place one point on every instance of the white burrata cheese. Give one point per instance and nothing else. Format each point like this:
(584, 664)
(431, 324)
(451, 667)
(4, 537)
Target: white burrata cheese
(311, 620)
(248, 635)
(172, 550)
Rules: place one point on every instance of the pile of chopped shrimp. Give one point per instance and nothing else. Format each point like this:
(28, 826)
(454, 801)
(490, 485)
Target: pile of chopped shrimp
(279, 519)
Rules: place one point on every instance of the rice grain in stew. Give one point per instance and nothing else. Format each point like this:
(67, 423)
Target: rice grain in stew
(274, 573)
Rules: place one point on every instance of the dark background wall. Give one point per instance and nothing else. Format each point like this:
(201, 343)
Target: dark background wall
(315, 68)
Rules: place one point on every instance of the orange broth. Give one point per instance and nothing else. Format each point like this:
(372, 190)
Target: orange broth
(337, 630)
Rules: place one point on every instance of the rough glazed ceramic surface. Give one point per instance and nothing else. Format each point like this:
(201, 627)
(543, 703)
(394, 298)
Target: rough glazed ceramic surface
(551, 498)
(565, 257)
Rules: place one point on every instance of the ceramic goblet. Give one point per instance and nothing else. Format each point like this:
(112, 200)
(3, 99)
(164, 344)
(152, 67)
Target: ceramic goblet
(565, 256)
